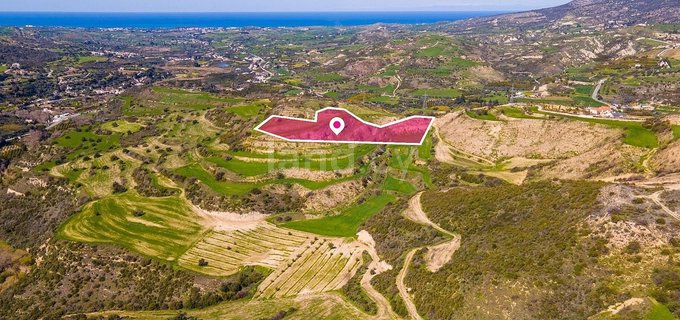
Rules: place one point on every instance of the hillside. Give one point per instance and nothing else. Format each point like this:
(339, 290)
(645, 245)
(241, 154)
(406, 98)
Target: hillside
(584, 12)
(133, 183)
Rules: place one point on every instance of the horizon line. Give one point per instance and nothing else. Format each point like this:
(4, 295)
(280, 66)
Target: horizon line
(259, 12)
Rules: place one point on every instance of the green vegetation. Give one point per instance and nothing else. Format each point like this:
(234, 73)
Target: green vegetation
(659, 312)
(90, 59)
(385, 99)
(165, 97)
(223, 187)
(425, 149)
(331, 306)
(3, 68)
(514, 113)
(326, 77)
(431, 52)
(393, 184)
(356, 293)
(581, 97)
(676, 132)
(85, 142)
(249, 110)
(390, 71)
(346, 223)
(636, 134)
(500, 227)
(162, 228)
(122, 126)
(437, 93)
(461, 63)
(481, 115)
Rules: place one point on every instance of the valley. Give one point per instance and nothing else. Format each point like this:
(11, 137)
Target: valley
(134, 186)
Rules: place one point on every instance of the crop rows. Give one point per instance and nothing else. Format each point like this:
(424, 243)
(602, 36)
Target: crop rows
(319, 267)
(226, 252)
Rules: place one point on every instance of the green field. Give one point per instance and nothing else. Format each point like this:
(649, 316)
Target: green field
(163, 228)
(437, 93)
(86, 142)
(385, 99)
(249, 110)
(514, 113)
(326, 77)
(659, 312)
(345, 224)
(3, 68)
(425, 149)
(393, 184)
(122, 126)
(91, 59)
(676, 132)
(488, 116)
(575, 100)
(431, 52)
(223, 187)
(188, 100)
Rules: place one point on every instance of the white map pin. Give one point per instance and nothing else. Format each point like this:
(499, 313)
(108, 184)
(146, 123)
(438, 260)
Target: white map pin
(337, 125)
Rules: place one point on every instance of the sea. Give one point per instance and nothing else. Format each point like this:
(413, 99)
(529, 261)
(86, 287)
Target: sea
(228, 19)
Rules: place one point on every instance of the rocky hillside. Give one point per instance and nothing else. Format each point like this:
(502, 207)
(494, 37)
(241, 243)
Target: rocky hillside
(585, 12)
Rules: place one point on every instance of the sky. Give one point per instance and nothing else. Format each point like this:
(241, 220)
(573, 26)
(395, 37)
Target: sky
(272, 5)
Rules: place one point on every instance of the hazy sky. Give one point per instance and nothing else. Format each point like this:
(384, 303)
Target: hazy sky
(270, 5)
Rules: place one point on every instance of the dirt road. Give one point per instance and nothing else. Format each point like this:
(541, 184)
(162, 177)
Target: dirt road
(375, 268)
(416, 214)
(403, 291)
(443, 151)
(656, 198)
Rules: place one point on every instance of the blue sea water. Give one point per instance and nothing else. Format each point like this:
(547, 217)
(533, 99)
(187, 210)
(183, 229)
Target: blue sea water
(271, 19)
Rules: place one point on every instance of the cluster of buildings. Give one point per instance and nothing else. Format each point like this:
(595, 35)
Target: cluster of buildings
(617, 111)
(116, 54)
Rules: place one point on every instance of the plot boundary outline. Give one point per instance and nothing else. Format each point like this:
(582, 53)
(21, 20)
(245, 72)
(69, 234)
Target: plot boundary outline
(316, 117)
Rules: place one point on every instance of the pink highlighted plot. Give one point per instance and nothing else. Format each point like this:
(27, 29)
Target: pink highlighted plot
(337, 125)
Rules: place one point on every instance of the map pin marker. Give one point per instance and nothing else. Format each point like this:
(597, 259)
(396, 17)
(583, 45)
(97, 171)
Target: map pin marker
(337, 125)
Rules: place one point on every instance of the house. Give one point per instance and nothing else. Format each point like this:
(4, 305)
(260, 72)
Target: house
(602, 111)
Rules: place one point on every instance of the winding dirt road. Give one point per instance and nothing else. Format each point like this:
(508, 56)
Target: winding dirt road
(416, 214)
(375, 268)
(656, 198)
(403, 291)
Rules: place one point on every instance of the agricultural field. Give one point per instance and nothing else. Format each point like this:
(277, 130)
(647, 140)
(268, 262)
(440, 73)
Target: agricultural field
(225, 252)
(135, 185)
(346, 223)
(163, 228)
(122, 126)
(330, 305)
(322, 265)
(86, 142)
(91, 59)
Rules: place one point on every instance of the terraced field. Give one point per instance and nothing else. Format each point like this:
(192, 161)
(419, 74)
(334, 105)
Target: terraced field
(331, 305)
(226, 252)
(323, 265)
(158, 227)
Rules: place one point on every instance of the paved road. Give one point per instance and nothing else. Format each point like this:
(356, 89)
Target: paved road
(596, 92)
